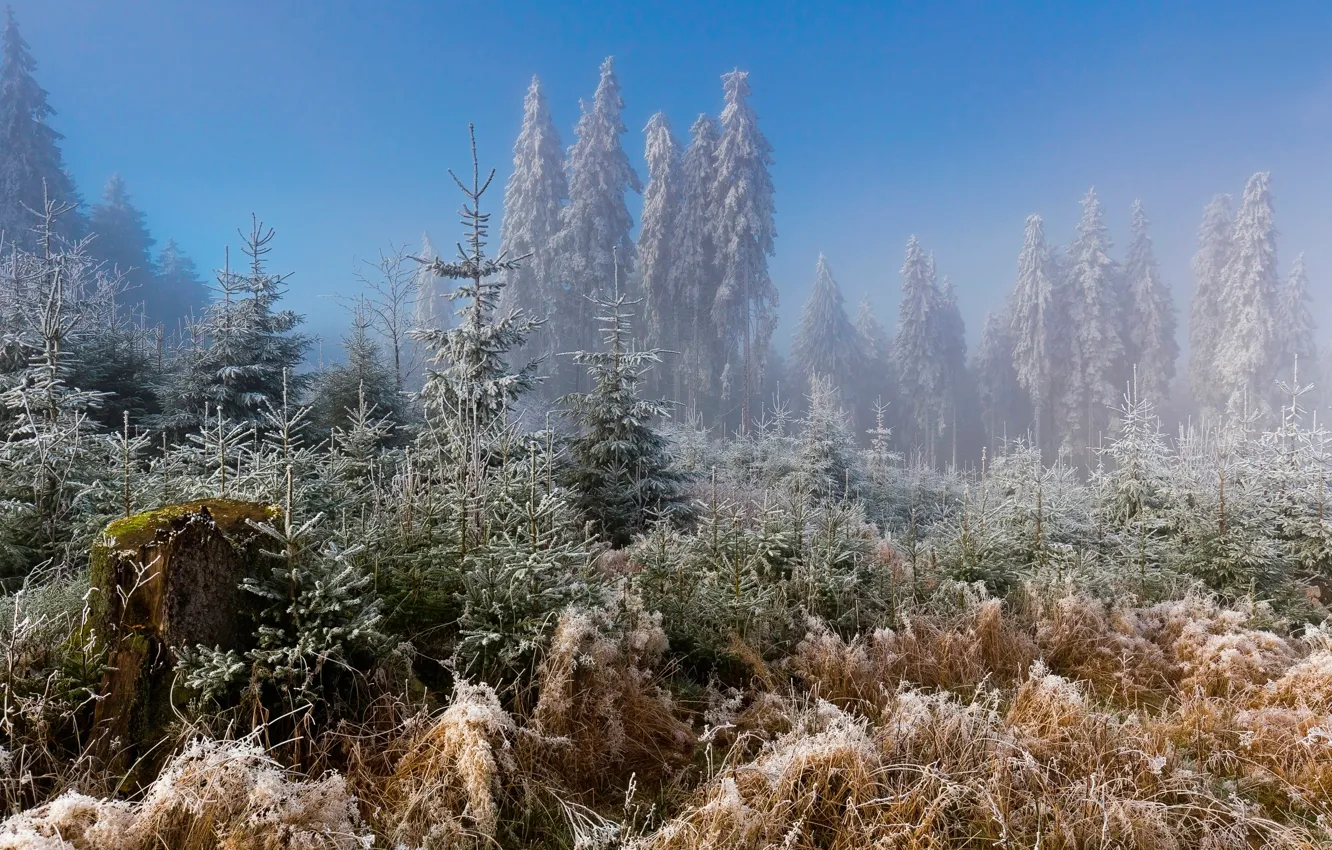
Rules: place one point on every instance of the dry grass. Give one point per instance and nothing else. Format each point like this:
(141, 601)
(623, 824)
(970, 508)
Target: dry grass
(1065, 724)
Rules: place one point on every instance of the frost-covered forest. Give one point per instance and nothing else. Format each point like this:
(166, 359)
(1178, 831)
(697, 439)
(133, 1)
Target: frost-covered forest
(562, 553)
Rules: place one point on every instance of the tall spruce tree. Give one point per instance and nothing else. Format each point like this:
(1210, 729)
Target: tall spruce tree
(594, 227)
(249, 349)
(1151, 318)
(693, 273)
(826, 344)
(957, 393)
(182, 292)
(657, 235)
(1205, 319)
(1005, 411)
(918, 352)
(533, 198)
(622, 475)
(1034, 326)
(745, 309)
(1246, 352)
(124, 244)
(876, 385)
(1097, 350)
(32, 169)
(1296, 328)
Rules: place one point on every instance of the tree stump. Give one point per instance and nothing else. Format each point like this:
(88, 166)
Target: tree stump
(162, 580)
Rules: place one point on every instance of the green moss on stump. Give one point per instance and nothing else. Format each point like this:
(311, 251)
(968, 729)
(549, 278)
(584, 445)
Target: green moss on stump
(165, 579)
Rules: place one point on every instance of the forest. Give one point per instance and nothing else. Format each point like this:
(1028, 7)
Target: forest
(559, 552)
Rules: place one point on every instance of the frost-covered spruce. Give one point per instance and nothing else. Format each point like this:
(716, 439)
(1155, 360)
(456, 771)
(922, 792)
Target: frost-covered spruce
(1151, 320)
(533, 198)
(1205, 322)
(693, 272)
(472, 386)
(1033, 325)
(657, 235)
(1295, 329)
(622, 475)
(745, 308)
(430, 307)
(1246, 354)
(32, 169)
(826, 344)
(1004, 411)
(245, 351)
(956, 387)
(1097, 350)
(594, 227)
(918, 350)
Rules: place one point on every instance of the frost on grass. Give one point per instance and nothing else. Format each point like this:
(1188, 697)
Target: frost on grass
(213, 795)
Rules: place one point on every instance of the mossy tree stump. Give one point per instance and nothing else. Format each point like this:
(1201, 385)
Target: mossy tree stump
(163, 580)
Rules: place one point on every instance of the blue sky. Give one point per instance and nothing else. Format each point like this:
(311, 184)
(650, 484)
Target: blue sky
(336, 121)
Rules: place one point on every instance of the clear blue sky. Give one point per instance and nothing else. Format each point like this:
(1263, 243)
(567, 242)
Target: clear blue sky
(335, 121)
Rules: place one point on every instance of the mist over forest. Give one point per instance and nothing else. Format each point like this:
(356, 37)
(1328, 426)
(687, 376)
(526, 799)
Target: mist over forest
(610, 508)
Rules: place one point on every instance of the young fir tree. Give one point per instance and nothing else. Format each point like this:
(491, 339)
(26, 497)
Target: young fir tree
(1094, 332)
(1151, 316)
(248, 349)
(918, 356)
(745, 309)
(473, 388)
(124, 244)
(533, 198)
(594, 227)
(693, 272)
(364, 378)
(32, 169)
(1205, 317)
(1246, 351)
(826, 344)
(657, 235)
(621, 474)
(1296, 328)
(1034, 326)
(182, 292)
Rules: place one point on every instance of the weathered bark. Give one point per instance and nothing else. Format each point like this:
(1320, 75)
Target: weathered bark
(163, 580)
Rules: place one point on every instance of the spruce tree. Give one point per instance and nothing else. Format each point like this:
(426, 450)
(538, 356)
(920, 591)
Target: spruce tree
(875, 385)
(533, 198)
(32, 169)
(363, 378)
(123, 243)
(1094, 332)
(657, 235)
(693, 273)
(1205, 319)
(917, 350)
(1151, 318)
(1296, 328)
(594, 227)
(1034, 326)
(472, 388)
(182, 292)
(621, 474)
(745, 308)
(1005, 411)
(248, 349)
(826, 344)
(1246, 351)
